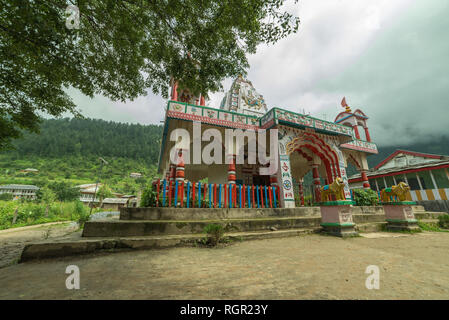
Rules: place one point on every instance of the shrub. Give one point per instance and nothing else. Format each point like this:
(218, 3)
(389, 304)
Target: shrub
(215, 233)
(148, 198)
(443, 221)
(365, 197)
(6, 196)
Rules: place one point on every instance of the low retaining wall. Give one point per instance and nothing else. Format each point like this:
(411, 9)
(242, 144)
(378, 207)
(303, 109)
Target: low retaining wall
(435, 205)
(214, 213)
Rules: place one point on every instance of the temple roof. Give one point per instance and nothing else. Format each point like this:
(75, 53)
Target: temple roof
(242, 97)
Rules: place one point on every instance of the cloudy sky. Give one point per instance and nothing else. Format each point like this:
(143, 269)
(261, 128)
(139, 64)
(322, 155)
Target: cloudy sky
(390, 58)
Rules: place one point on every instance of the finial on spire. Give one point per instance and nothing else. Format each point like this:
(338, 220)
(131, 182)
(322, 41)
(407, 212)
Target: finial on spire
(345, 105)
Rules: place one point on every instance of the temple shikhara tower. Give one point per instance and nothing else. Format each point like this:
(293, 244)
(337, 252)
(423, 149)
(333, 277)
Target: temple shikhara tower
(304, 144)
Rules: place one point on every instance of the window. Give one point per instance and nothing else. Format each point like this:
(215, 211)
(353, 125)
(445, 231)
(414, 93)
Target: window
(390, 181)
(441, 178)
(426, 181)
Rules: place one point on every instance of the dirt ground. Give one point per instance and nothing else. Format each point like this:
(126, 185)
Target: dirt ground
(12, 241)
(307, 267)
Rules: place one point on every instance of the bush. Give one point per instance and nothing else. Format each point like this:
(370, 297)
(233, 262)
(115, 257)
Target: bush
(6, 196)
(148, 198)
(215, 233)
(443, 221)
(81, 213)
(365, 197)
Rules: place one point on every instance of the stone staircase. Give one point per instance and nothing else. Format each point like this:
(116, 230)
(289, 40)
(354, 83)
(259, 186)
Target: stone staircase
(146, 228)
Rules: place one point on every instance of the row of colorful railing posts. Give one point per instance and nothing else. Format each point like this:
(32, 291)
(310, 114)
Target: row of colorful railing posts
(229, 195)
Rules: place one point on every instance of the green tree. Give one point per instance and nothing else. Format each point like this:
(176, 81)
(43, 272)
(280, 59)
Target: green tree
(64, 191)
(123, 48)
(104, 192)
(47, 197)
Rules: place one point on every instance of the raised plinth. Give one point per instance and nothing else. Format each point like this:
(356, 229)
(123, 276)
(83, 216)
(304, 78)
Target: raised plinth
(399, 216)
(336, 218)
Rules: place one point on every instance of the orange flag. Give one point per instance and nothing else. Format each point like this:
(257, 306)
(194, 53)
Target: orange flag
(343, 103)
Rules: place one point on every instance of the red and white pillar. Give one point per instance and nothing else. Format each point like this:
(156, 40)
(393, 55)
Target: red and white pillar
(231, 170)
(367, 136)
(356, 131)
(365, 180)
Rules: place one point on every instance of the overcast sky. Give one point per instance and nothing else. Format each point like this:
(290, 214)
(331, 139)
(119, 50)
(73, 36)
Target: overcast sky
(390, 58)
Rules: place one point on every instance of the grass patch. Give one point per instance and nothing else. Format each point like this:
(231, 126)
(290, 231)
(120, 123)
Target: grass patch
(430, 227)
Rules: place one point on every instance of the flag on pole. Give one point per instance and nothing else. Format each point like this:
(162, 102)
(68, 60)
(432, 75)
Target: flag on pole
(343, 103)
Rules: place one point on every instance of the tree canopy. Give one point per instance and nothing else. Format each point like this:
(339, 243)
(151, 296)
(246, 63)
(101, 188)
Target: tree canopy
(122, 49)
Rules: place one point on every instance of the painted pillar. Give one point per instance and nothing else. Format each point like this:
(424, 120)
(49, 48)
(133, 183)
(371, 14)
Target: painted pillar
(231, 170)
(301, 192)
(286, 194)
(356, 131)
(368, 138)
(433, 180)
(316, 182)
(365, 180)
(172, 175)
(180, 177)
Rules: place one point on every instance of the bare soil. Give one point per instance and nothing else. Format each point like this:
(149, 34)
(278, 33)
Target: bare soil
(412, 266)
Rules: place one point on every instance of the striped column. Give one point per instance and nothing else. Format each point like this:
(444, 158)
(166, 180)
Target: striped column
(180, 178)
(231, 170)
(316, 182)
(365, 180)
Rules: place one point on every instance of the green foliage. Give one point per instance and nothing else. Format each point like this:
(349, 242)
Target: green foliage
(148, 198)
(123, 48)
(443, 221)
(6, 196)
(104, 192)
(64, 191)
(215, 232)
(81, 213)
(365, 197)
(430, 227)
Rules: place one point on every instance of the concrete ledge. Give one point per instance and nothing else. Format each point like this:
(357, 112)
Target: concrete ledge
(45, 250)
(123, 228)
(214, 213)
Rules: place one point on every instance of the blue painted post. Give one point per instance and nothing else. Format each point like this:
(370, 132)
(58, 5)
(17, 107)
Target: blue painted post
(176, 193)
(230, 195)
(352, 196)
(240, 192)
(248, 188)
(163, 192)
(188, 194)
(219, 195)
(210, 195)
(257, 193)
(199, 194)
(267, 204)
(274, 196)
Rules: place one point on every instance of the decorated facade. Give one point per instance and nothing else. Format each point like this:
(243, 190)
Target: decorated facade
(302, 143)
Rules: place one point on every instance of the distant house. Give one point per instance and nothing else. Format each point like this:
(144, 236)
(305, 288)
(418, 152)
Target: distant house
(20, 191)
(115, 203)
(135, 175)
(426, 174)
(87, 192)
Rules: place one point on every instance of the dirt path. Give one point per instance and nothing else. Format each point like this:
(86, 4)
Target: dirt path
(308, 267)
(12, 241)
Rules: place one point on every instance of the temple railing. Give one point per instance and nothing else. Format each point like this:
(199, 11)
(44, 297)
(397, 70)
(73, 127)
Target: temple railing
(211, 195)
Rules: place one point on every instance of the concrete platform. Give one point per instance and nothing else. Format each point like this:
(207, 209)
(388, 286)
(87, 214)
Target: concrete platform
(47, 249)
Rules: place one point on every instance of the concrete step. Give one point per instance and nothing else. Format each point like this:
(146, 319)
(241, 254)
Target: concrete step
(215, 213)
(428, 215)
(129, 228)
(367, 218)
(62, 248)
(370, 227)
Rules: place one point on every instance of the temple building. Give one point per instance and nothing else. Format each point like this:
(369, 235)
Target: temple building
(301, 143)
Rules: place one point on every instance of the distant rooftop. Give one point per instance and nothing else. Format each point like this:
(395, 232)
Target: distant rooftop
(19, 186)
